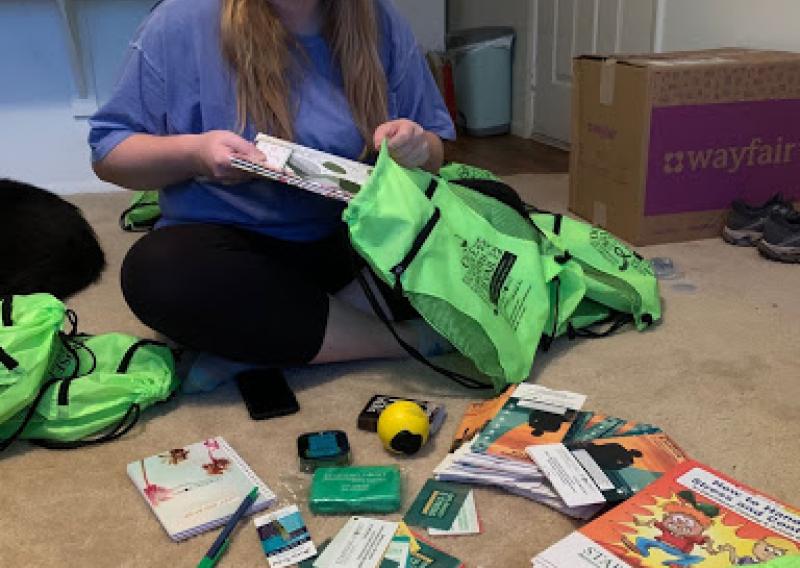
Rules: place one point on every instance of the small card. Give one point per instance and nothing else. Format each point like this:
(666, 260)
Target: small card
(361, 543)
(466, 521)
(572, 483)
(284, 537)
(399, 550)
(606, 469)
(546, 397)
(437, 505)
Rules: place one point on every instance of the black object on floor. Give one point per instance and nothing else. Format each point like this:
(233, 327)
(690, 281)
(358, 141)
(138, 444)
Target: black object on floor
(47, 244)
(266, 393)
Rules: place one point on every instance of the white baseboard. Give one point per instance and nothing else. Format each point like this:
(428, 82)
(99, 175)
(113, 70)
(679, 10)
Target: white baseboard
(548, 141)
(96, 186)
(519, 128)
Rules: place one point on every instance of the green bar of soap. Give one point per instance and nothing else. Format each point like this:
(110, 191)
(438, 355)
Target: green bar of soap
(340, 490)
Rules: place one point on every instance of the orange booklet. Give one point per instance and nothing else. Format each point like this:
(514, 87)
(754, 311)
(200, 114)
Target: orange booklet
(691, 516)
(478, 415)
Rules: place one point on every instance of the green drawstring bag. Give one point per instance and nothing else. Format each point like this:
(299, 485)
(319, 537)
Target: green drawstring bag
(615, 276)
(468, 263)
(97, 386)
(143, 213)
(29, 331)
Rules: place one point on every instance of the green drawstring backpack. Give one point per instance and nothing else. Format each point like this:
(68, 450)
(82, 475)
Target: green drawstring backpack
(468, 263)
(96, 384)
(143, 213)
(75, 386)
(29, 334)
(494, 276)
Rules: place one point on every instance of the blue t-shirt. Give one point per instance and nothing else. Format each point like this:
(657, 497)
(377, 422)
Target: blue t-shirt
(175, 81)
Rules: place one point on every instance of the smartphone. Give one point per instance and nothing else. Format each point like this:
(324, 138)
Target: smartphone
(266, 393)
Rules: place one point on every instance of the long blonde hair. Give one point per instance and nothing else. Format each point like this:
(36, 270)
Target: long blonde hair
(260, 52)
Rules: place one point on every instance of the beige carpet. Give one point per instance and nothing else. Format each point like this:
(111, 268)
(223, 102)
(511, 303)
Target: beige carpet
(720, 375)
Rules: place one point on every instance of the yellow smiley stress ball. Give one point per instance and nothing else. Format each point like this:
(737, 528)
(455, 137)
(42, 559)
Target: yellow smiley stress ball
(403, 427)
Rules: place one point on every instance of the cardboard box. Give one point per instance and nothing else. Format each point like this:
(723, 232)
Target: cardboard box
(662, 143)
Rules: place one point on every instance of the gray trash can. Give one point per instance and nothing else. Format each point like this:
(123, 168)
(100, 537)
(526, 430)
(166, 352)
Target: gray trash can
(481, 60)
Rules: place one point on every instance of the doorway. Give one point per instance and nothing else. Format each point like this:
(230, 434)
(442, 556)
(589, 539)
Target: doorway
(567, 28)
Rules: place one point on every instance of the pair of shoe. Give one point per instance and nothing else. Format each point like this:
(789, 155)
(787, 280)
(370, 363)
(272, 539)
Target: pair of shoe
(773, 227)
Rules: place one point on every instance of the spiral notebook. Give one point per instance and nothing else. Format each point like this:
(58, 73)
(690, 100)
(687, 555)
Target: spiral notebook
(197, 488)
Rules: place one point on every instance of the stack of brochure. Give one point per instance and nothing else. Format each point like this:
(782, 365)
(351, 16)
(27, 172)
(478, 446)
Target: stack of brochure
(538, 443)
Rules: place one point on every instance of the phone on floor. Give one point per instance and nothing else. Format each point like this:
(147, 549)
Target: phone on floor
(266, 393)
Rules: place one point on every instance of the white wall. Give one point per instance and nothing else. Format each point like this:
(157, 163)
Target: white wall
(42, 123)
(513, 13)
(427, 20)
(701, 24)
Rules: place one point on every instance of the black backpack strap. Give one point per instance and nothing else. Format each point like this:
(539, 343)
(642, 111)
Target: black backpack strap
(125, 362)
(422, 236)
(547, 340)
(6, 303)
(431, 188)
(7, 360)
(558, 218)
(616, 320)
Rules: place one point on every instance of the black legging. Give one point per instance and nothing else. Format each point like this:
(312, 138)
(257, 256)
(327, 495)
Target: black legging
(237, 293)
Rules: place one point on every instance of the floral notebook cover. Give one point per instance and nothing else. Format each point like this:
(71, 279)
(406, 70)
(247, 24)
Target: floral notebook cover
(196, 488)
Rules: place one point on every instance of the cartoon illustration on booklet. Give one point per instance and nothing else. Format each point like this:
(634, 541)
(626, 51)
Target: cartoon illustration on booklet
(692, 516)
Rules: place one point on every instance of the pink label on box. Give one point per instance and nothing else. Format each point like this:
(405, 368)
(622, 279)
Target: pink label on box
(702, 157)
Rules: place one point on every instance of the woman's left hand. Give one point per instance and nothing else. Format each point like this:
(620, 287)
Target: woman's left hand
(407, 142)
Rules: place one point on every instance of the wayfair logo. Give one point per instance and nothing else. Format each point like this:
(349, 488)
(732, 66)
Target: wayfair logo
(732, 158)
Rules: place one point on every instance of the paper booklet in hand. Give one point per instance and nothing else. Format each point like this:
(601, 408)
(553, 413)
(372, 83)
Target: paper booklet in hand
(318, 172)
(197, 488)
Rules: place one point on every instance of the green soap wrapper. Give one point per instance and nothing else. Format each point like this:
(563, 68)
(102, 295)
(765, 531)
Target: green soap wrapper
(340, 490)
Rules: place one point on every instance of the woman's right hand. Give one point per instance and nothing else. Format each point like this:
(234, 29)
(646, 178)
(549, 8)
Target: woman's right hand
(213, 151)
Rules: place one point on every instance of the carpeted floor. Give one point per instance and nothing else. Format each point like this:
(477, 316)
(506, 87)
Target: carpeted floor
(721, 375)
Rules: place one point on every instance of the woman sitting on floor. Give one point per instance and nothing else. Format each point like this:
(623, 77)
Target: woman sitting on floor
(253, 273)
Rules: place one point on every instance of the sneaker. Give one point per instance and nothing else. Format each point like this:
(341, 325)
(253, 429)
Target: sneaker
(781, 239)
(745, 224)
